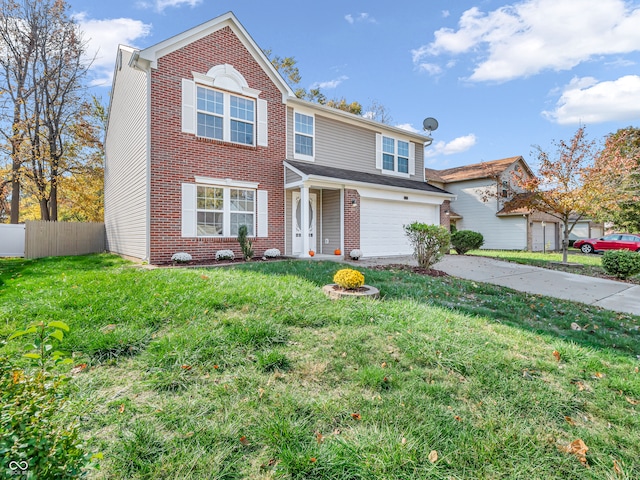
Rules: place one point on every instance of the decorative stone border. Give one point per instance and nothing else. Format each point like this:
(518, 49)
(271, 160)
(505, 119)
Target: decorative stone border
(334, 292)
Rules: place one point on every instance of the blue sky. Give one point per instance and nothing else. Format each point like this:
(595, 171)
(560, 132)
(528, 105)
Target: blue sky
(499, 76)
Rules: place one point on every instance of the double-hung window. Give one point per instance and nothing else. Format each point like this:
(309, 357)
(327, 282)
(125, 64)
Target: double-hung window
(221, 210)
(224, 116)
(395, 155)
(304, 135)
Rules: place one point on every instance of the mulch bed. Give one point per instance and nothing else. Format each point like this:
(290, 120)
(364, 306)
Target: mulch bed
(212, 262)
(408, 268)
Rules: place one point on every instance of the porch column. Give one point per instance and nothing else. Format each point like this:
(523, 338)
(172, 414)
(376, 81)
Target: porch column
(304, 219)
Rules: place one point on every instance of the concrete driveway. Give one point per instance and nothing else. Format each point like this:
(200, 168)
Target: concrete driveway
(609, 294)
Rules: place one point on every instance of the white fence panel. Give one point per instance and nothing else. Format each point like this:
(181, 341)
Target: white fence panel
(12, 240)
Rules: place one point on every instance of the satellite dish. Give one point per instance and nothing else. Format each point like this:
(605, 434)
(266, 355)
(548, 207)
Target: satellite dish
(430, 124)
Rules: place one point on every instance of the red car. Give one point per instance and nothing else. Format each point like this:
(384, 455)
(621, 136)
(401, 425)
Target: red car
(615, 241)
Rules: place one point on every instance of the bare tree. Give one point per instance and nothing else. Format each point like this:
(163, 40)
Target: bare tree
(49, 100)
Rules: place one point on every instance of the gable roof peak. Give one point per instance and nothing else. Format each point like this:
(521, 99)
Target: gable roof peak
(153, 53)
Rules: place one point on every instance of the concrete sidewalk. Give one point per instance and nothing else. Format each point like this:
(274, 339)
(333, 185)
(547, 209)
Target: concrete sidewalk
(609, 294)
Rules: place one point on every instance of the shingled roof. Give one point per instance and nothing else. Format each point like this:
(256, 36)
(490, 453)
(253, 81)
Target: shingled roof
(315, 170)
(477, 170)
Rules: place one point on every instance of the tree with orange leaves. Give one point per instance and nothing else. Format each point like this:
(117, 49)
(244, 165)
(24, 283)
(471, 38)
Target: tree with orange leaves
(579, 181)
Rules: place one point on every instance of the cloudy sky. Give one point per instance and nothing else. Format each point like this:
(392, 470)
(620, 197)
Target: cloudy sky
(500, 77)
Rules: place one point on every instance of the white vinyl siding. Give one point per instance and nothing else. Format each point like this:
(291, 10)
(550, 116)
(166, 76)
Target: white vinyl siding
(126, 179)
(501, 233)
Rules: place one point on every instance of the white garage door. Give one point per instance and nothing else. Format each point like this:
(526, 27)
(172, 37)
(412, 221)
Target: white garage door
(381, 225)
(544, 238)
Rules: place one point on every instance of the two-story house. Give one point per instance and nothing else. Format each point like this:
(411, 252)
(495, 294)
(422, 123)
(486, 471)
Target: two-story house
(204, 135)
(486, 202)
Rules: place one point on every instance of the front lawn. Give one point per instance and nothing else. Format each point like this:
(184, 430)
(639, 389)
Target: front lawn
(251, 372)
(590, 265)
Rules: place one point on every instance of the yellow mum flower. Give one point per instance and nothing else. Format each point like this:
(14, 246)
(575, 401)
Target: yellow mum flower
(348, 278)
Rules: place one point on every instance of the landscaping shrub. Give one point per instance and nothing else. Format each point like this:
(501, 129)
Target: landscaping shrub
(245, 245)
(466, 240)
(181, 257)
(430, 242)
(348, 278)
(225, 255)
(37, 440)
(621, 263)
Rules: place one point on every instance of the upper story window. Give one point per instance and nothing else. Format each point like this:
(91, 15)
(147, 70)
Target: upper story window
(395, 155)
(304, 136)
(224, 116)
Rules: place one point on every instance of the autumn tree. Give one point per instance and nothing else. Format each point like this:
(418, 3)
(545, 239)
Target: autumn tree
(618, 169)
(19, 26)
(579, 181)
(47, 95)
(560, 185)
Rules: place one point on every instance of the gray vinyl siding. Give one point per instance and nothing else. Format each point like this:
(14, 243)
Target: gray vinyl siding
(330, 221)
(288, 223)
(342, 145)
(291, 177)
(125, 178)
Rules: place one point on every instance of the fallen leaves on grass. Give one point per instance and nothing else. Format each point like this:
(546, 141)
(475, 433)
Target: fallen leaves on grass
(632, 401)
(556, 355)
(78, 368)
(121, 409)
(319, 438)
(579, 449)
(433, 456)
(356, 416)
(244, 441)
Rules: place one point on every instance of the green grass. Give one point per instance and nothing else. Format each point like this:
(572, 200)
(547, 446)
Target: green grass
(590, 265)
(251, 372)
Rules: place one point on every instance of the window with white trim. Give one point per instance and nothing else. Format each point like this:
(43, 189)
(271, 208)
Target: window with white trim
(224, 116)
(221, 210)
(395, 155)
(304, 135)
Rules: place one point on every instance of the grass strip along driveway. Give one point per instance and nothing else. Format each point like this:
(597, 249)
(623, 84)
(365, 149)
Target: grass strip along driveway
(251, 372)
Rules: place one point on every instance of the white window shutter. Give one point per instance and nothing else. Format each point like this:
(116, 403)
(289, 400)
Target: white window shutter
(379, 151)
(189, 210)
(412, 158)
(263, 134)
(263, 213)
(188, 106)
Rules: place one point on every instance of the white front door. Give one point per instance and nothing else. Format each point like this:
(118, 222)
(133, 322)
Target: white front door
(297, 224)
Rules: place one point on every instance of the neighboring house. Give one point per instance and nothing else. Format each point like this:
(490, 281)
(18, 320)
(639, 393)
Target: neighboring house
(204, 135)
(483, 191)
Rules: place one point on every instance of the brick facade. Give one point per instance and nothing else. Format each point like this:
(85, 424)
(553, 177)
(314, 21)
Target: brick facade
(351, 221)
(177, 157)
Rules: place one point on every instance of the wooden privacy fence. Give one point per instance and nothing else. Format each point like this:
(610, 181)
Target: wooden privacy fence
(54, 239)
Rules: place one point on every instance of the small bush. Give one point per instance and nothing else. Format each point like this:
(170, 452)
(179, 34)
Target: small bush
(621, 263)
(355, 254)
(225, 255)
(466, 240)
(272, 253)
(430, 242)
(348, 278)
(245, 244)
(181, 257)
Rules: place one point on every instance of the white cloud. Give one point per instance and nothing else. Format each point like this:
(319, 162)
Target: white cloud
(103, 38)
(330, 83)
(535, 35)
(430, 68)
(457, 145)
(160, 5)
(408, 127)
(446, 13)
(360, 18)
(585, 100)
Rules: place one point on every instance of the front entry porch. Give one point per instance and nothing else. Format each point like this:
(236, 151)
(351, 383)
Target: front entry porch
(313, 221)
